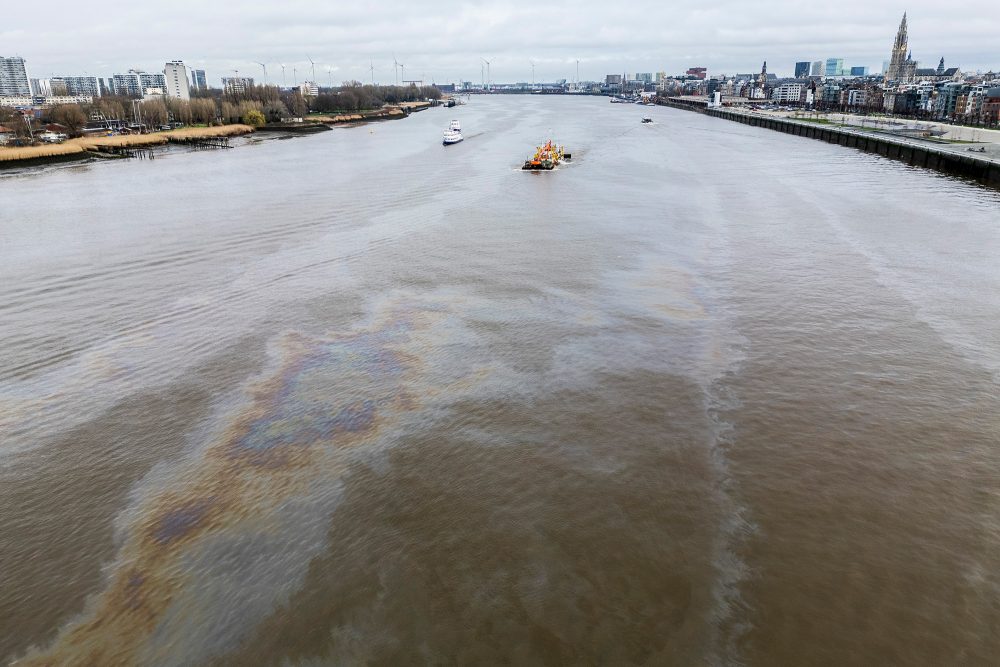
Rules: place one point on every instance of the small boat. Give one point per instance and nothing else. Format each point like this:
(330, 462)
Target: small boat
(647, 119)
(453, 134)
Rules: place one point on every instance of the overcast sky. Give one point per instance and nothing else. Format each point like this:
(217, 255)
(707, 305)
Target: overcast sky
(443, 40)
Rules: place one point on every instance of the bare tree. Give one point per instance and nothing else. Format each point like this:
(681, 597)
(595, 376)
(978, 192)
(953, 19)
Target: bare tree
(71, 116)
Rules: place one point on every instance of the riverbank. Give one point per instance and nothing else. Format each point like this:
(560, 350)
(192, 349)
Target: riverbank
(949, 158)
(84, 148)
(385, 113)
(89, 147)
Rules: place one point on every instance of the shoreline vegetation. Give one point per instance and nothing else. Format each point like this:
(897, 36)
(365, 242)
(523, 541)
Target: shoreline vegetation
(83, 147)
(208, 119)
(102, 146)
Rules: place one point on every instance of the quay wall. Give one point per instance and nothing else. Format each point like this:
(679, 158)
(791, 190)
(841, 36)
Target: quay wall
(981, 170)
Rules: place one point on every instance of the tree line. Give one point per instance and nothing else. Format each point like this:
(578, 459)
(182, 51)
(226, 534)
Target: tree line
(256, 105)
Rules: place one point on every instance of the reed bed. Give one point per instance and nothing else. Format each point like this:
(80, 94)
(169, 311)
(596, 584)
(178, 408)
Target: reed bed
(82, 144)
(35, 152)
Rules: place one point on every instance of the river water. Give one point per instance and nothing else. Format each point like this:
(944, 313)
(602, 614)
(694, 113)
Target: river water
(709, 394)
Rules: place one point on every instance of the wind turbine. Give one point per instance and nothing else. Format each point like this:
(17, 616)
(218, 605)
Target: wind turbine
(395, 64)
(313, 68)
(329, 71)
(532, 73)
(263, 67)
(284, 83)
(488, 76)
(372, 68)
(577, 72)
(402, 73)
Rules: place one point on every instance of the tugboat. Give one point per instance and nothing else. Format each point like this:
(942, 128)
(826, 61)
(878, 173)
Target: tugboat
(647, 119)
(453, 134)
(546, 157)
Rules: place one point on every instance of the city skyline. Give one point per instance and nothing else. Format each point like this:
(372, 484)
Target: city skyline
(446, 43)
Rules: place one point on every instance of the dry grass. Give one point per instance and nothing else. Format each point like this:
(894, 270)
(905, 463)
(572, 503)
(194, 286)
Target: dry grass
(131, 140)
(356, 117)
(33, 152)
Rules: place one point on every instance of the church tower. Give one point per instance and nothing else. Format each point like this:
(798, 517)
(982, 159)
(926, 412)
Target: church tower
(899, 50)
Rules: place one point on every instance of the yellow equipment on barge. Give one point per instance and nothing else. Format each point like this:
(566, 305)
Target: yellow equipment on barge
(546, 157)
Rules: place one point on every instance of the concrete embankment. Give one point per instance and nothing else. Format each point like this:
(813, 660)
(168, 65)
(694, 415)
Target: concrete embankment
(981, 170)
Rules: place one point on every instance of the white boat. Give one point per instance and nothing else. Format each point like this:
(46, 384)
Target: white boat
(455, 125)
(453, 134)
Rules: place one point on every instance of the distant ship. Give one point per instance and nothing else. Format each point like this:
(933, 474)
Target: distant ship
(453, 134)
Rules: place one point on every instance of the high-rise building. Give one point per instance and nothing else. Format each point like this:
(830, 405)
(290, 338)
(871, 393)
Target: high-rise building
(237, 85)
(859, 71)
(176, 79)
(834, 67)
(697, 72)
(801, 69)
(137, 83)
(645, 77)
(198, 81)
(817, 68)
(40, 87)
(14, 78)
(78, 85)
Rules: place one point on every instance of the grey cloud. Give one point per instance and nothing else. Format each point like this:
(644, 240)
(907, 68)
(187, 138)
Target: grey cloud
(445, 40)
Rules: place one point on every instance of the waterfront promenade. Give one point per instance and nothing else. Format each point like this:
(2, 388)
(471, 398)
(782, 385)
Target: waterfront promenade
(937, 152)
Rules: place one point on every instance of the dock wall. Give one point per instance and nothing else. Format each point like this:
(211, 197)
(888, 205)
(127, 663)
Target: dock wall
(984, 171)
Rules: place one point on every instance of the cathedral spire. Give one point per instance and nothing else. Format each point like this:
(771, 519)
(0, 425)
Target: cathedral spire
(899, 50)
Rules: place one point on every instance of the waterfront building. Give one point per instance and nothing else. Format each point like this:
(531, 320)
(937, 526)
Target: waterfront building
(946, 101)
(237, 85)
(834, 67)
(802, 69)
(198, 80)
(788, 93)
(817, 68)
(990, 114)
(857, 97)
(613, 80)
(14, 77)
(859, 71)
(644, 77)
(176, 80)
